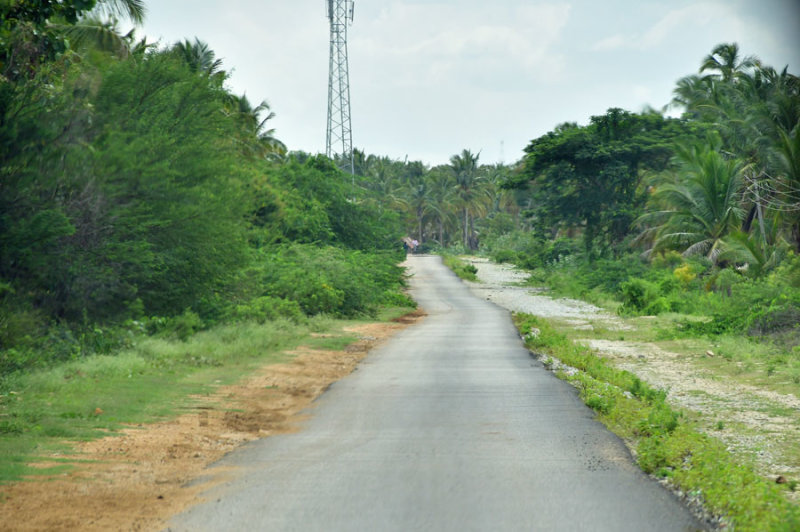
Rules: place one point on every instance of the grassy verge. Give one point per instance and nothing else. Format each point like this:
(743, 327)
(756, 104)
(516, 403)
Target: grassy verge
(463, 269)
(41, 412)
(666, 444)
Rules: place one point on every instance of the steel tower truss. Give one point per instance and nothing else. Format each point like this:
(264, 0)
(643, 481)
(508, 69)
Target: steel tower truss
(339, 136)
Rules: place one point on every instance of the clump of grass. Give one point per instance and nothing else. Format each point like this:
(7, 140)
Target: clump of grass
(464, 270)
(666, 443)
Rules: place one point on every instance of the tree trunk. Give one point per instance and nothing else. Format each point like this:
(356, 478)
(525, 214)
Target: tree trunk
(466, 229)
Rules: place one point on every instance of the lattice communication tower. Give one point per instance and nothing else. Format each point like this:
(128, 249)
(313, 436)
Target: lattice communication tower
(339, 136)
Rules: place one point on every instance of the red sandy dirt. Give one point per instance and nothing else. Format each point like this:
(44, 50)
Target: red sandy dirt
(137, 480)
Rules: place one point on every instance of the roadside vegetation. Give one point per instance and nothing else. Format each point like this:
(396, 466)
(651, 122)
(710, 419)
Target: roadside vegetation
(461, 268)
(154, 229)
(156, 238)
(666, 443)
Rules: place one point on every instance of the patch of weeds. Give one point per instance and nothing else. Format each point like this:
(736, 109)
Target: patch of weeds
(334, 342)
(463, 269)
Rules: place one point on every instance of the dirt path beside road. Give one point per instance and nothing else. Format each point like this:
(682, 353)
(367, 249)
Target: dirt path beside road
(136, 480)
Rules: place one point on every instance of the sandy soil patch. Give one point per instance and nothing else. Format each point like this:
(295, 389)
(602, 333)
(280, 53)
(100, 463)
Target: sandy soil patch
(137, 480)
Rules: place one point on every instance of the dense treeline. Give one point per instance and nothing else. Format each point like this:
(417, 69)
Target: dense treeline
(695, 214)
(139, 193)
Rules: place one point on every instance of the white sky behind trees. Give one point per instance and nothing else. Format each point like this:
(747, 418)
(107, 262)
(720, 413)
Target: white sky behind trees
(432, 77)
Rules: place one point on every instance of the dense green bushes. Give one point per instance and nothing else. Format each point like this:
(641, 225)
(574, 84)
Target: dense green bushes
(133, 202)
(331, 280)
(728, 300)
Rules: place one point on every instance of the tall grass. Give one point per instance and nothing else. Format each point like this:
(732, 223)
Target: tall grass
(87, 398)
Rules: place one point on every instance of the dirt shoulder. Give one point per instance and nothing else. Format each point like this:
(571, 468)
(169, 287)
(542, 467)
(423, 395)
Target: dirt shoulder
(137, 480)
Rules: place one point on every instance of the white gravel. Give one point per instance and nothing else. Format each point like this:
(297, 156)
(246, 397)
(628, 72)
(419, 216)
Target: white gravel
(501, 284)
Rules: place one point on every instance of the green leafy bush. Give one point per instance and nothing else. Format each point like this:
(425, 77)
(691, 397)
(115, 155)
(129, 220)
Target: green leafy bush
(330, 280)
(638, 295)
(267, 308)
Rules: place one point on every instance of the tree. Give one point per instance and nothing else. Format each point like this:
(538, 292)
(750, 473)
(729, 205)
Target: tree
(698, 205)
(470, 192)
(756, 110)
(725, 60)
(199, 57)
(442, 200)
(256, 139)
(588, 178)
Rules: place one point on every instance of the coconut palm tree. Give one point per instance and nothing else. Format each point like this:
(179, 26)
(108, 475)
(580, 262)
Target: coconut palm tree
(695, 208)
(417, 195)
(442, 200)
(787, 199)
(725, 60)
(133, 10)
(469, 191)
(92, 32)
(99, 28)
(199, 57)
(258, 140)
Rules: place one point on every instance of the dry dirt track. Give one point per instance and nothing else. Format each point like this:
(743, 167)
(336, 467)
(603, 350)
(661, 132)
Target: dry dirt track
(450, 425)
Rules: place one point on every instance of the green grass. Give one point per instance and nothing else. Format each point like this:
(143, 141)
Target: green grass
(464, 270)
(667, 443)
(42, 411)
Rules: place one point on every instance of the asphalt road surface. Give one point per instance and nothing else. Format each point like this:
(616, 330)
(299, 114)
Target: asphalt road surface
(449, 426)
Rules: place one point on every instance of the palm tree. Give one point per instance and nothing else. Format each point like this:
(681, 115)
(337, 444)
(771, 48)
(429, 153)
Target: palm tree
(788, 194)
(724, 59)
(442, 185)
(133, 10)
(470, 190)
(257, 139)
(755, 254)
(102, 34)
(418, 201)
(99, 29)
(199, 57)
(698, 206)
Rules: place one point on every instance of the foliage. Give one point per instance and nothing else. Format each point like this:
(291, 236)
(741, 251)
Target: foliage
(589, 177)
(330, 280)
(318, 204)
(447, 205)
(139, 194)
(462, 269)
(694, 210)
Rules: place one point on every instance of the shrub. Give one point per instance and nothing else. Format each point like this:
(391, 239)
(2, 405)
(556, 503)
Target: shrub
(638, 295)
(330, 280)
(267, 308)
(184, 325)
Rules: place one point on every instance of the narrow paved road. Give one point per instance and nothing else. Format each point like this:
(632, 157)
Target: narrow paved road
(450, 426)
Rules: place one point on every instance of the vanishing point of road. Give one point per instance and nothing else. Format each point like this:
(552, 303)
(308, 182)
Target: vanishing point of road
(449, 426)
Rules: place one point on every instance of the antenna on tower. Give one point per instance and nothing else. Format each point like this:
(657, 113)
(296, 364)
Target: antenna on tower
(339, 135)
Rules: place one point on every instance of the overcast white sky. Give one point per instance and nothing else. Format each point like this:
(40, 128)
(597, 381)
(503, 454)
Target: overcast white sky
(431, 77)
